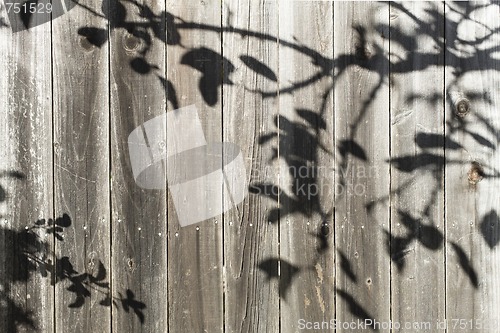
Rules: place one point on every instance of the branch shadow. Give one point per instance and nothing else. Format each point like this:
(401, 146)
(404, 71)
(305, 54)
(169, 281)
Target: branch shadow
(29, 251)
(298, 141)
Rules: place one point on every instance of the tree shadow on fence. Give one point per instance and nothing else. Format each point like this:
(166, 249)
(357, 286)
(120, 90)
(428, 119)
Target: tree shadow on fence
(29, 251)
(166, 28)
(301, 141)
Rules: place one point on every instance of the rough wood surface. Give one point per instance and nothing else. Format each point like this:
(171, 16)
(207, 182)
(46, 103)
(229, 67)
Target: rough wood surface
(417, 136)
(81, 167)
(26, 179)
(139, 225)
(362, 172)
(250, 237)
(195, 272)
(305, 154)
(369, 132)
(472, 222)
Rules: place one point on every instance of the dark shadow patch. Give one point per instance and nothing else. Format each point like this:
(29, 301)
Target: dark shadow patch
(490, 229)
(345, 265)
(276, 268)
(429, 140)
(95, 36)
(425, 161)
(353, 148)
(466, 264)
(312, 118)
(210, 64)
(129, 302)
(259, 67)
(141, 66)
(355, 308)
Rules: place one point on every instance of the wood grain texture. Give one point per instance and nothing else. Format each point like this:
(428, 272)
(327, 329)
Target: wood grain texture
(194, 68)
(81, 167)
(472, 257)
(417, 171)
(306, 163)
(26, 150)
(369, 133)
(139, 230)
(362, 171)
(250, 237)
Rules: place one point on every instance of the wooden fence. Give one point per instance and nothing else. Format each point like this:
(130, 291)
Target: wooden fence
(369, 132)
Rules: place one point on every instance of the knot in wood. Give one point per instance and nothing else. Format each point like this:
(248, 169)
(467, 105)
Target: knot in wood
(475, 174)
(462, 107)
(131, 43)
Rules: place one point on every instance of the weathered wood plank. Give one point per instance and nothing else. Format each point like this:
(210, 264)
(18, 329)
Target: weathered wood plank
(139, 249)
(81, 167)
(305, 151)
(276, 265)
(194, 69)
(26, 193)
(417, 171)
(472, 222)
(250, 238)
(362, 172)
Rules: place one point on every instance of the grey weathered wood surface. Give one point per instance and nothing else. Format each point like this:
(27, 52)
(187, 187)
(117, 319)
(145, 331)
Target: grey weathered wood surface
(26, 146)
(81, 164)
(250, 237)
(472, 203)
(305, 145)
(361, 116)
(417, 128)
(405, 225)
(196, 300)
(138, 220)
